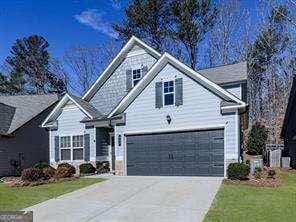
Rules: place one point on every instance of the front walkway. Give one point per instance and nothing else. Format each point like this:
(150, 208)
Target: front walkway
(133, 199)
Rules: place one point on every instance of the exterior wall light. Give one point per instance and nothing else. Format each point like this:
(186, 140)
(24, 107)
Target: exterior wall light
(169, 119)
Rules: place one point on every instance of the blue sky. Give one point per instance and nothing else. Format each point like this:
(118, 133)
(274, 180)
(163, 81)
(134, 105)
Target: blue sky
(63, 23)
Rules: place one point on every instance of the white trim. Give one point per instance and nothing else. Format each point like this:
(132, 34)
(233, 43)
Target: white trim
(237, 125)
(133, 40)
(59, 106)
(176, 129)
(139, 79)
(225, 165)
(71, 148)
(167, 58)
(167, 93)
(233, 107)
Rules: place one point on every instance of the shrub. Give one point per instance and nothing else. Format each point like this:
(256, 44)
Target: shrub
(49, 172)
(271, 173)
(257, 139)
(69, 166)
(41, 165)
(86, 168)
(103, 166)
(65, 170)
(32, 174)
(257, 172)
(238, 171)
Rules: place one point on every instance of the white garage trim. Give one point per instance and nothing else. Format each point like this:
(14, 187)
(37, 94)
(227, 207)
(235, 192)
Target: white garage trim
(176, 129)
(179, 129)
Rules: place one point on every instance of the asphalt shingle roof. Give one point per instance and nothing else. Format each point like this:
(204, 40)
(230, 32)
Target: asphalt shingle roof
(87, 107)
(226, 74)
(17, 110)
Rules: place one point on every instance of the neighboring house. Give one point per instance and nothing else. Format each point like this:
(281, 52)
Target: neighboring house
(289, 126)
(149, 114)
(22, 141)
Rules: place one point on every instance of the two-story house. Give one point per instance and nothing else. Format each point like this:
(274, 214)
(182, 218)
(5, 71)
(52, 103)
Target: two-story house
(150, 114)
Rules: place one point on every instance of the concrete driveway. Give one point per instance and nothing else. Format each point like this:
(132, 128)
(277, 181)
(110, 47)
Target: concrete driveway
(134, 199)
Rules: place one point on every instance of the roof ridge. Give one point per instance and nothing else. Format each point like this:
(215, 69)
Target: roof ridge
(234, 63)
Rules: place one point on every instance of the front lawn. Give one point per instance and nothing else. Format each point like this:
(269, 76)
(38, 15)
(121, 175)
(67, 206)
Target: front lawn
(244, 203)
(16, 198)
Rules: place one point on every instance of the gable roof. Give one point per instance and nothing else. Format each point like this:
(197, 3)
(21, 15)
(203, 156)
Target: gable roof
(291, 103)
(116, 61)
(83, 105)
(236, 72)
(167, 58)
(18, 110)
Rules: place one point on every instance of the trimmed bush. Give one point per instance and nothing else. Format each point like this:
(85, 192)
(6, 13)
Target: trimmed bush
(41, 165)
(257, 139)
(49, 172)
(271, 173)
(65, 170)
(86, 168)
(238, 171)
(32, 174)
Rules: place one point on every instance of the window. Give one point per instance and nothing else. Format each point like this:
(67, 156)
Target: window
(119, 140)
(77, 147)
(169, 93)
(71, 150)
(136, 76)
(65, 145)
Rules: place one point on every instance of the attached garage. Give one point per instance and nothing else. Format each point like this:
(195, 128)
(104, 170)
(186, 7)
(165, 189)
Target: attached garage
(187, 153)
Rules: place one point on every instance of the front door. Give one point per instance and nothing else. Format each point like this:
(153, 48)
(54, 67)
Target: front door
(112, 145)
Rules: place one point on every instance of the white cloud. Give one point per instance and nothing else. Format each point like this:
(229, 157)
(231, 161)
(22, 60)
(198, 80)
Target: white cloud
(93, 18)
(116, 4)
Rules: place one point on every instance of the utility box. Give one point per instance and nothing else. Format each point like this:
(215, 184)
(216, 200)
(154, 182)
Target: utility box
(255, 163)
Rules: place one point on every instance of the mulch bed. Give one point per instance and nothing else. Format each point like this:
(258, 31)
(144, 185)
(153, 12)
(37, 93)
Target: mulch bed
(17, 182)
(264, 181)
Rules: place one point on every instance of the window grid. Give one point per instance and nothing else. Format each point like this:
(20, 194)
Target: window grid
(72, 144)
(169, 93)
(136, 76)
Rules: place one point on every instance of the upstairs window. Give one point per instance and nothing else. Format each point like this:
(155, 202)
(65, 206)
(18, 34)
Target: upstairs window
(136, 76)
(169, 93)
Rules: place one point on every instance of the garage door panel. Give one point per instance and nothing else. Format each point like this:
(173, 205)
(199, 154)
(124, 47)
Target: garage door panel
(198, 153)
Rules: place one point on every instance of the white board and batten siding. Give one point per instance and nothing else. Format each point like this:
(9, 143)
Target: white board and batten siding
(200, 110)
(68, 125)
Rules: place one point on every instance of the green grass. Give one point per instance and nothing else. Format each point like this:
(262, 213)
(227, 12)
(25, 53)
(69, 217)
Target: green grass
(244, 203)
(16, 198)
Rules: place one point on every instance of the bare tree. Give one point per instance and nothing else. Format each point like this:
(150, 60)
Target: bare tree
(228, 40)
(83, 64)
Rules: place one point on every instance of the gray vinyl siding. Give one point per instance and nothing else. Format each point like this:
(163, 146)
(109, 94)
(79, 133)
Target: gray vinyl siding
(30, 139)
(69, 124)
(235, 90)
(201, 108)
(114, 89)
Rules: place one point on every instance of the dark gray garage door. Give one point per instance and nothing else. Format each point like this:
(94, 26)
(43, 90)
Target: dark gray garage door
(198, 153)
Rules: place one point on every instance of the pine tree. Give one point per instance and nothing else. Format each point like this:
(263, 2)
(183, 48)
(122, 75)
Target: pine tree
(192, 19)
(146, 19)
(29, 65)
